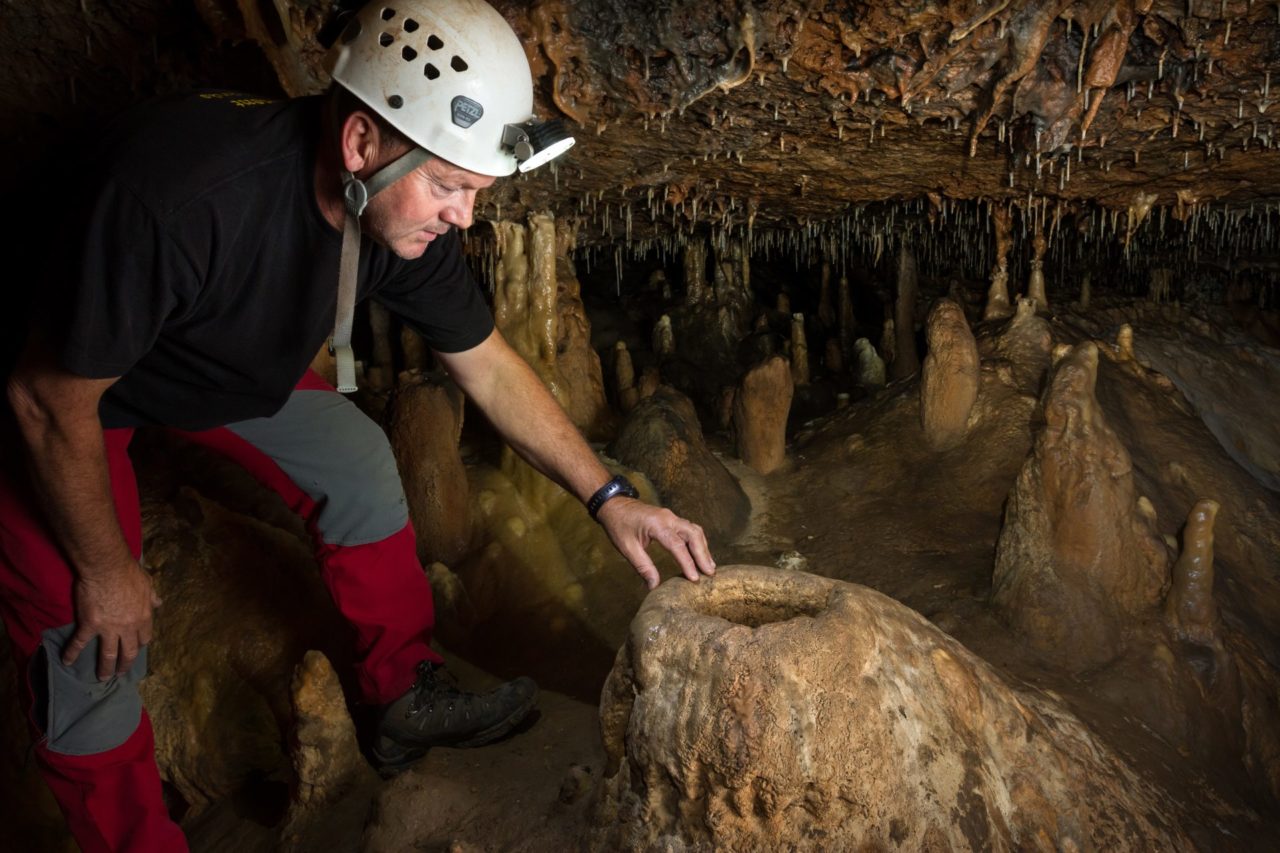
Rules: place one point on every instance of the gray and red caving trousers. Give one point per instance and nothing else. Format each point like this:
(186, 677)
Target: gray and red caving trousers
(333, 466)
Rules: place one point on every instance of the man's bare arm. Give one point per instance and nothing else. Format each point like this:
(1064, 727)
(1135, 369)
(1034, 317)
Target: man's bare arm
(57, 413)
(522, 409)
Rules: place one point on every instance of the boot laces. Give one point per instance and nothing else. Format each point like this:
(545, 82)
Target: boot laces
(434, 684)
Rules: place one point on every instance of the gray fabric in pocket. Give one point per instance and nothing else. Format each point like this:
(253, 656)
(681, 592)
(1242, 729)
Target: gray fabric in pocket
(82, 715)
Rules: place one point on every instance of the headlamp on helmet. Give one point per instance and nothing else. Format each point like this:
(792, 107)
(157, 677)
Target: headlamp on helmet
(536, 143)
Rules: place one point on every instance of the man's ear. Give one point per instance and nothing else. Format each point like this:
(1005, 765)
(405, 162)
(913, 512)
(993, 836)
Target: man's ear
(358, 141)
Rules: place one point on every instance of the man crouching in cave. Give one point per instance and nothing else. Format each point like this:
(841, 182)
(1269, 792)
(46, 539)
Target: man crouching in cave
(199, 286)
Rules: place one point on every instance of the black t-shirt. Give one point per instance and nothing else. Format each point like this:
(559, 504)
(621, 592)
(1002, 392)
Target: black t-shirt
(204, 275)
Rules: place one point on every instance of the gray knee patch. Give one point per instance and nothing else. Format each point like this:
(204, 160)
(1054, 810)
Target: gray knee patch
(341, 459)
(80, 714)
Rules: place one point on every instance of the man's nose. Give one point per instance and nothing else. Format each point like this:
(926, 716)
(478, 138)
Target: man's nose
(459, 214)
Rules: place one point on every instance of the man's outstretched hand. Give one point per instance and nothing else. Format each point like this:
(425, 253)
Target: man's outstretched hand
(633, 524)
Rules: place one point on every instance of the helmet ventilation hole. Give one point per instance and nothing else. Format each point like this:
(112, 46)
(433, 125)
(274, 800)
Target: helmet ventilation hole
(410, 25)
(434, 42)
(388, 14)
(409, 54)
(458, 64)
(431, 71)
(386, 39)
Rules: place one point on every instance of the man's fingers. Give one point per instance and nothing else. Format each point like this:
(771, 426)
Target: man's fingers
(71, 651)
(128, 654)
(108, 656)
(644, 567)
(697, 540)
(675, 543)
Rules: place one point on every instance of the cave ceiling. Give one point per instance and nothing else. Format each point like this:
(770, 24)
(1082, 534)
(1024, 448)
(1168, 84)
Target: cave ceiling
(735, 116)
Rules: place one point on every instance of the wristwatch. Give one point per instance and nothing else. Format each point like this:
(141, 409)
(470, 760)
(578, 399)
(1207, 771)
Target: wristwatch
(619, 485)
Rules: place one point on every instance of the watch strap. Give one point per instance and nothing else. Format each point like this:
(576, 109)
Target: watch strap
(619, 485)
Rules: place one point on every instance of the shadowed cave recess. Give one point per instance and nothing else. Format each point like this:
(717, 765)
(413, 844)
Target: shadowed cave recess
(954, 325)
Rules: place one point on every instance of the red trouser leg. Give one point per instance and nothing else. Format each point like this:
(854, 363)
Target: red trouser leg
(379, 587)
(112, 799)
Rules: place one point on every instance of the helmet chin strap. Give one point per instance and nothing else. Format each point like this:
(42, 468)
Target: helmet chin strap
(355, 197)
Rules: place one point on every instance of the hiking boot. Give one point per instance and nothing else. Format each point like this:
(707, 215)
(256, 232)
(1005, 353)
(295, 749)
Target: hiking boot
(434, 712)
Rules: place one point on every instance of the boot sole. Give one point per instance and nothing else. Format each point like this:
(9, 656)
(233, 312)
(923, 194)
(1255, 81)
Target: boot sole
(392, 763)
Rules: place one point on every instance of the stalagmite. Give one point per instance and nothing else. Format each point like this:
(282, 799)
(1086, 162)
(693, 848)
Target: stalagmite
(664, 342)
(1027, 344)
(663, 439)
(799, 352)
(1189, 608)
(778, 710)
(1086, 286)
(949, 377)
(848, 327)
(424, 425)
(888, 340)
(327, 763)
(1124, 343)
(625, 377)
(870, 367)
(1076, 563)
(1035, 284)
(650, 380)
(905, 362)
(218, 705)
(998, 306)
(380, 371)
(782, 304)
(832, 358)
(695, 273)
(760, 409)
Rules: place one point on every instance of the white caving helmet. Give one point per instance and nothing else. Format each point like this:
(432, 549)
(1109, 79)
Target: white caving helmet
(452, 76)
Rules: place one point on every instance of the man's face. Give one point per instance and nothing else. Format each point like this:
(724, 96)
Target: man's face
(424, 204)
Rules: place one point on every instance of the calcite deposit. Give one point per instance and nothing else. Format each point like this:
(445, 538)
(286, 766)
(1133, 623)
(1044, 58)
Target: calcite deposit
(1077, 562)
(424, 424)
(663, 438)
(949, 377)
(780, 710)
(538, 307)
(760, 410)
